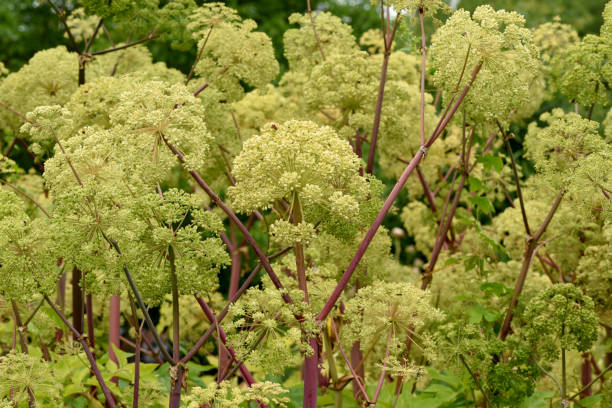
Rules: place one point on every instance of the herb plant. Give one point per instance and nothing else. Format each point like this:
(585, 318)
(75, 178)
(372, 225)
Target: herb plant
(376, 226)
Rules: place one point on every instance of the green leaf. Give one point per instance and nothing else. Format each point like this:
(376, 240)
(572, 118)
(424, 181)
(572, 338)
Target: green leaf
(477, 313)
(72, 389)
(539, 399)
(121, 356)
(477, 185)
(53, 316)
(482, 204)
(491, 161)
(452, 260)
(589, 401)
(472, 262)
(494, 288)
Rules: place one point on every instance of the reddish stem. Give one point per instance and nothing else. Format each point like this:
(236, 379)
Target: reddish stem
(441, 236)
(90, 323)
(246, 374)
(381, 379)
(356, 376)
(388, 38)
(149, 37)
(225, 310)
(92, 361)
(532, 245)
(266, 264)
(363, 246)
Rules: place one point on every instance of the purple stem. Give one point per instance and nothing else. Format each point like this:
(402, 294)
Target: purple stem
(92, 361)
(388, 203)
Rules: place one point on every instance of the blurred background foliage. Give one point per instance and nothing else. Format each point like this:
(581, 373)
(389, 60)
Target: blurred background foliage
(27, 26)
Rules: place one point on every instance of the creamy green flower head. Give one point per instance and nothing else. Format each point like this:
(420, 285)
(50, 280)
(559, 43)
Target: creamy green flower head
(211, 15)
(567, 137)
(174, 16)
(93, 154)
(372, 40)
(561, 317)
(264, 332)
(259, 107)
(285, 233)
(498, 40)
(136, 61)
(231, 51)
(430, 7)
(26, 267)
(3, 70)
(175, 222)
(399, 308)
(20, 371)
(122, 9)
(554, 37)
(579, 71)
(152, 111)
(55, 123)
(311, 168)
(301, 47)
(49, 78)
(344, 81)
(590, 186)
(82, 26)
(9, 166)
(297, 157)
(228, 395)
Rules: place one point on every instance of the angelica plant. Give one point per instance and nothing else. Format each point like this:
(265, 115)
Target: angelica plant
(499, 43)
(562, 318)
(43, 86)
(379, 224)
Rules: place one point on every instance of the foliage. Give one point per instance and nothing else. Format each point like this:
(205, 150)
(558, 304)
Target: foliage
(249, 229)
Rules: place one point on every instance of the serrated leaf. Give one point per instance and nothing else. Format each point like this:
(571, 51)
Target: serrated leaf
(539, 399)
(53, 316)
(122, 356)
(482, 204)
(477, 313)
(475, 184)
(495, 288)
(589, 401)
(491, 162)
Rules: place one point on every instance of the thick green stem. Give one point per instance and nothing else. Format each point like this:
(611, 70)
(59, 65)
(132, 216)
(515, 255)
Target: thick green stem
(333, 370)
